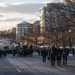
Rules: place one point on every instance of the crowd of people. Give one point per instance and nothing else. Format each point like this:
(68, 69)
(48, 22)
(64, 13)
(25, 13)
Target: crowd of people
(54, 54)
(23, 50)
(18, 50)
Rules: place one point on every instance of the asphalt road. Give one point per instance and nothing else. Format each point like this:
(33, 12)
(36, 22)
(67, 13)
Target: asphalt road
(33, 66)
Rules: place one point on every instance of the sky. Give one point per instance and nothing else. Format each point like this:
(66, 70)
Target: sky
(13, 12)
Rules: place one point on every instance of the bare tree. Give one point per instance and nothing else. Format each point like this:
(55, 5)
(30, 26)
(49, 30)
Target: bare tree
(60, 14)
(33, 36)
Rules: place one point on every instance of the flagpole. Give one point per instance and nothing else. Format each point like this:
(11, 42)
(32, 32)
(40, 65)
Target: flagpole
(60, 35)
(58, 32)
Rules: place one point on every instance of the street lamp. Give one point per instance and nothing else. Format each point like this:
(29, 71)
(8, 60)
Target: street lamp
(69, 39)
(43, 41)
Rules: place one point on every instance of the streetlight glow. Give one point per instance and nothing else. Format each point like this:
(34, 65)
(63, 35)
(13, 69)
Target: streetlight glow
(69, 30)
(70, 39)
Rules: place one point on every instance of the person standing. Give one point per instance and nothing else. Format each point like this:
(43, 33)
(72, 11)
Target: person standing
(16, 49)
(59, 54)
(44, 54)
(65, 54)
(31, 50)
(53, 55)
(49, 53)
(38, 51)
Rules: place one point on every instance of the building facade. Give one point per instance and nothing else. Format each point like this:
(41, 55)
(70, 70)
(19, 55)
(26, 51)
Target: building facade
(22, 29)
(48, 17)
(42, 19)
(36, 26)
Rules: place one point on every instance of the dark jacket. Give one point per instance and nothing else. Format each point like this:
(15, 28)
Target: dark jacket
(44, 52)
(53, 53)
(59, 54)
(65, 53)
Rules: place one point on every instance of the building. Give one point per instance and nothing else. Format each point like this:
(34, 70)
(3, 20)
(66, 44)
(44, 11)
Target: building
(48, 17)
(22, 29)
(36, 26)
(52, 16)
(13, 30)
(48, 21)
(42, 19)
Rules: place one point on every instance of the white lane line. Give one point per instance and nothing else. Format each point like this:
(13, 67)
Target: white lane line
(61, 68)
(15, 67)
(18, 70)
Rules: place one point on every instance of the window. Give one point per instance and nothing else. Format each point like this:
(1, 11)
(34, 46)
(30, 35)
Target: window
(20, 29)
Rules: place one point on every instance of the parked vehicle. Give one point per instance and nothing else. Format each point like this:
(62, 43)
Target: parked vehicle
(6, 45)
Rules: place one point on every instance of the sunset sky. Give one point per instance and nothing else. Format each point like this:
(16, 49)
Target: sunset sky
(13, 12)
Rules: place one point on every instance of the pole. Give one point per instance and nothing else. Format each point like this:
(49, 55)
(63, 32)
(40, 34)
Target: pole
(70, 39)
(58, 44)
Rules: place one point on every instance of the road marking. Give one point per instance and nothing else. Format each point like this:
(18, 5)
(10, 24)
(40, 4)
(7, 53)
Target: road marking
(61, 68)
(15, 67)
(18, 70)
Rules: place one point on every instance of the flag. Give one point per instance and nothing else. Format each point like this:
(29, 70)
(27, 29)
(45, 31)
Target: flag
(59, 36)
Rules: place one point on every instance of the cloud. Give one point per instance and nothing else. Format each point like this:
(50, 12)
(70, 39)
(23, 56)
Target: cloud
(18, 19)
(11, 19)
(52, 1)
(27, 8)
(1, 15)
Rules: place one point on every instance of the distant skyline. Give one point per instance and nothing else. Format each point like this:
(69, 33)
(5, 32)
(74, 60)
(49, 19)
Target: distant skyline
(13, 12)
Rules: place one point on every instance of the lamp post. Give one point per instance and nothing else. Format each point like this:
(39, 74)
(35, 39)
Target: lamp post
(69, 39)
(43, 41)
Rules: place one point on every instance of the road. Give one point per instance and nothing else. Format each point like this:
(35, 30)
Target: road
(33, 66)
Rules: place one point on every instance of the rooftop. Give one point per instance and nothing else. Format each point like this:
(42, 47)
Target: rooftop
(23, 23)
